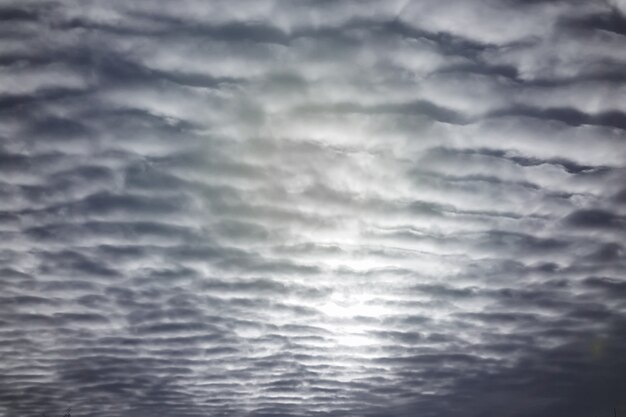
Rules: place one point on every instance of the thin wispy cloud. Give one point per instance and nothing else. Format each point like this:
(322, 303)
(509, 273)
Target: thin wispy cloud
(325, 208)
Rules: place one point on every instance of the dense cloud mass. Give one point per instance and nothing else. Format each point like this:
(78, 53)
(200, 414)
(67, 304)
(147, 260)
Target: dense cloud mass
(313, 208)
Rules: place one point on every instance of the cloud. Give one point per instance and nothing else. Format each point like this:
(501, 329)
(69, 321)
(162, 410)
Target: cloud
(271, 208)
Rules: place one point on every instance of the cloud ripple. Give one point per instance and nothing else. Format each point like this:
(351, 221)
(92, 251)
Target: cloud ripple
(338, 208)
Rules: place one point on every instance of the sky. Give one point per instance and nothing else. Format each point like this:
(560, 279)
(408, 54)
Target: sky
(293, 208)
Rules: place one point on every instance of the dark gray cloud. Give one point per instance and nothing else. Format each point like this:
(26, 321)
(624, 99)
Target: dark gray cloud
(338, 208)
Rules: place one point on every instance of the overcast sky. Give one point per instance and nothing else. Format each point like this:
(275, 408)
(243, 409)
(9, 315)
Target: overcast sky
(313, 208)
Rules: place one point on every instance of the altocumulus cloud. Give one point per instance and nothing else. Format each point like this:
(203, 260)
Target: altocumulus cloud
(313, 208)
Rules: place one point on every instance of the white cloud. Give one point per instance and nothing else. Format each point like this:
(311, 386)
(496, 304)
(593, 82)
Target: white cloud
(341, 207)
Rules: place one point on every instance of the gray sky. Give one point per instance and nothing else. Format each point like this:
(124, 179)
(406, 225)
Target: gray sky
(313, 208)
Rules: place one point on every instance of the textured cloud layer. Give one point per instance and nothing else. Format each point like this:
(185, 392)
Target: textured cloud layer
(333, 208)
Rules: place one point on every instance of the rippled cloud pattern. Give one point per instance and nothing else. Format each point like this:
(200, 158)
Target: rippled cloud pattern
(313, 208)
